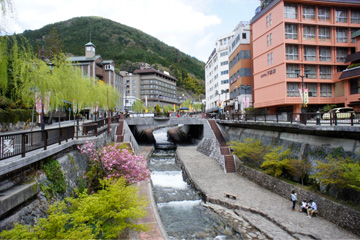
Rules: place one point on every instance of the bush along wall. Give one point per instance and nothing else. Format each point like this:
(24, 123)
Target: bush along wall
(341, 215)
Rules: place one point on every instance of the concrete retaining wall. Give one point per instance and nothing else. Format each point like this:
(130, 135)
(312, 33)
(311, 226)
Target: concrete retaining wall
(340, 215)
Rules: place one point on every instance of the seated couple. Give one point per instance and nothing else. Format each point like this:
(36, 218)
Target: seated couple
(308, 207)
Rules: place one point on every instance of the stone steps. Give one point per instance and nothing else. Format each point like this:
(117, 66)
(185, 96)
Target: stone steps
(16, 195)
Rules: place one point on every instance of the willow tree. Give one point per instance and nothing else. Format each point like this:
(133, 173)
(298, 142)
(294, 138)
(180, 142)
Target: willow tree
(3, 67)
(138, 106)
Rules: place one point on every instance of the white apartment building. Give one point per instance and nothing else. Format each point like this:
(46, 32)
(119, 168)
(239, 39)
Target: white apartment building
(217, 75)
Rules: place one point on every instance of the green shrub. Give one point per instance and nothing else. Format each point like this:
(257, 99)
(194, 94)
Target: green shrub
(55, 175)
(15, 115)
(250, 151)
(102, 215)
(277, 161)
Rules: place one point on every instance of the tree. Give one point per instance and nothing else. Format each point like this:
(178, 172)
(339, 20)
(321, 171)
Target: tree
(102, 215)
(250, 151)
(113, 161)
(53, 42)
(339, 171)
(138, 106)
(157, 108)
(276, 161)
(300, 169)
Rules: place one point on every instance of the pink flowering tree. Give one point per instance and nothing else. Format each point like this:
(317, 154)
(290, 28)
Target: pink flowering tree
(113, 161)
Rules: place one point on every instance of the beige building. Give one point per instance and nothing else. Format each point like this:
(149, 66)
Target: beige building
(95, 68)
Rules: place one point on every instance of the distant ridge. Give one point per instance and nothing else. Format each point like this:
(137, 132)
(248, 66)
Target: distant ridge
(127, 46)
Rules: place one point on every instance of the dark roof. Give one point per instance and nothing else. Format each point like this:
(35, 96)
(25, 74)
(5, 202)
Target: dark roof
(274, 2)
(353, 57)
(82, 58)
(352, 72)
(90, 44)
(153, 71)
(355, 34)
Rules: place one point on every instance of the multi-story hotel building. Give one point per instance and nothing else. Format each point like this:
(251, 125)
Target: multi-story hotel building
(94, 67)
(290, 35)
(240, 69)
(151, 86)
(217, 75)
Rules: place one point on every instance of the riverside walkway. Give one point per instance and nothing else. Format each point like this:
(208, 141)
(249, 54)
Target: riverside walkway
(267, 211)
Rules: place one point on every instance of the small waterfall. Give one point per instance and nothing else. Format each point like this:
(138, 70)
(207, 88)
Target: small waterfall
(180, 208)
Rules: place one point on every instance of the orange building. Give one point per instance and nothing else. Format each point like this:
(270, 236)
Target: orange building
(240, 69)
(290, 35)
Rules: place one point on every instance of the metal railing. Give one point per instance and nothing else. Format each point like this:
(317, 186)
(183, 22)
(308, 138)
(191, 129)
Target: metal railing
(314, 118)
(15, 144)
(20, 143)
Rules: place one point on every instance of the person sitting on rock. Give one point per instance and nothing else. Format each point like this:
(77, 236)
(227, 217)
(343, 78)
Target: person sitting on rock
(312, 209)
(304, 206)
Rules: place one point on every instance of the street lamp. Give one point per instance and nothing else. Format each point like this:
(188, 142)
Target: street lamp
(306, 73)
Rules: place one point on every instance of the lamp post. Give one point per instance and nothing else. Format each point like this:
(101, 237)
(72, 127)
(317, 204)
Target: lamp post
(303, 109)
(306, 73)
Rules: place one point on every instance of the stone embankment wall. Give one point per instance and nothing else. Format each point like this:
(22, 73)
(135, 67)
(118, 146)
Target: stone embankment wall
(73, 164)
(211, 148)
(340, 215)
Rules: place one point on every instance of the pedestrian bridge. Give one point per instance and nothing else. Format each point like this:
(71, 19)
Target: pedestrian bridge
(182, 130)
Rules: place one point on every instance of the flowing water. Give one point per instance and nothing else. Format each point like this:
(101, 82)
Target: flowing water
(181, 209)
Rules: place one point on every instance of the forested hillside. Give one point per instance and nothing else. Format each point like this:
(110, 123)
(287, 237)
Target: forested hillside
(125, 45)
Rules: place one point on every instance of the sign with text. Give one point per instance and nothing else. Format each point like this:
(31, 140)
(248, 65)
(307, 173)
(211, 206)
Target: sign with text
(270, 72)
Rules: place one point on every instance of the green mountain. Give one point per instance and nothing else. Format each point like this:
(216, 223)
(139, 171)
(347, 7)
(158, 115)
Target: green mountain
(125, 45)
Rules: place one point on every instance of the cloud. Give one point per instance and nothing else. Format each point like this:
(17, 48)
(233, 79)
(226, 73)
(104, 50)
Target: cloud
(178, 23)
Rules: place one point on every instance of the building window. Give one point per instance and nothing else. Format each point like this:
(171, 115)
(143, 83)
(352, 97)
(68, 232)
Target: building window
(225, 72)
(355, 86)
(270, 19)
(342, 35)
(341, 54)
(324, 14)
(290, 70)
(243, 35)
(324, 34)
(310, 53)
(270, 38)
(325, 90)
(325, 54)
(325, 72)
(270, 58)
(308, 13)
(292, 52)
(293, 89)
(267, 21)
(224, 63)
(312, 89)
(355, 16)
(223, 54)
(309, 33)
(291, 31)
(341, 15)
(312, 71)
(290, 11)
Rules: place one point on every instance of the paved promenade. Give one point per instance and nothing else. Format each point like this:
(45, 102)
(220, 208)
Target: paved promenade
(267, 211)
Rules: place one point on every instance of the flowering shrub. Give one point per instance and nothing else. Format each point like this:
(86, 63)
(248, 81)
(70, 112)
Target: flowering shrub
(114, 161)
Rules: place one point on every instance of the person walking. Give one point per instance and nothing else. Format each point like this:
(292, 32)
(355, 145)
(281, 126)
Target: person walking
(293, 199)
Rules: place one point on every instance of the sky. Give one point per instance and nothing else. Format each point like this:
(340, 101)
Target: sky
(192, 26)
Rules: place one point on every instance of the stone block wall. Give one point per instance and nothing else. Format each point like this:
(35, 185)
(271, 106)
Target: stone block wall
(340, 215)
(211, 148)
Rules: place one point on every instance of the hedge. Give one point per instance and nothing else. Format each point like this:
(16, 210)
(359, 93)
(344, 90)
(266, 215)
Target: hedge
(14, 115)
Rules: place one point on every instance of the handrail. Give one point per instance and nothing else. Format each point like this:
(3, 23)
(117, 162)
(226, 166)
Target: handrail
(20, 143)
